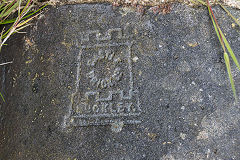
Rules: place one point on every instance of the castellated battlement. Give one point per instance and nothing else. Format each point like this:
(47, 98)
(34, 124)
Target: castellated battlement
(96, 35)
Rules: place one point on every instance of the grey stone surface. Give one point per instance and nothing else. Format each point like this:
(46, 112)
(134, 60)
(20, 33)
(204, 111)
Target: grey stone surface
(93, 82)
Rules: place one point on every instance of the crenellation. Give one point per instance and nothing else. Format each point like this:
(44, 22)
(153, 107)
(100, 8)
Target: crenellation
(100, 36)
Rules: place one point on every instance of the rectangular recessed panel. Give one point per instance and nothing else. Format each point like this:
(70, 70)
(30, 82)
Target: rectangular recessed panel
(104, 83)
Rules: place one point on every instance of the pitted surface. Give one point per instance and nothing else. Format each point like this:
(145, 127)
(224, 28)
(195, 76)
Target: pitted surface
(97, 82)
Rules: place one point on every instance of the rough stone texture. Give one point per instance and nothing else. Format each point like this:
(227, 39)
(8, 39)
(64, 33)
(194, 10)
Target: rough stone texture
(171, 70)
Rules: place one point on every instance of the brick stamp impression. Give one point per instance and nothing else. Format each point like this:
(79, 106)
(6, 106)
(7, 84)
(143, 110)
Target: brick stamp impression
(104, 91)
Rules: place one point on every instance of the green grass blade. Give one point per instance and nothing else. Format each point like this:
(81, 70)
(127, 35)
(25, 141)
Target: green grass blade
(7, 33)
(14, 6)
(30, 14)
(4, 9)
(227, 62)
(26, 6)
(2, 97)
(229, 49)
(224, 43)
(216, 28)
(8, 21)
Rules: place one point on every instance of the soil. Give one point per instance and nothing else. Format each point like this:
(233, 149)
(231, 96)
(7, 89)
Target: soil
(230, 3)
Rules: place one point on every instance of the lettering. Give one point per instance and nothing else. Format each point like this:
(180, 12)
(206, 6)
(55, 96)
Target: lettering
(102, 55)
(106, 81)
(109, 108)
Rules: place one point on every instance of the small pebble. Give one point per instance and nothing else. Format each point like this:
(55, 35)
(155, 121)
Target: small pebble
(117, 126)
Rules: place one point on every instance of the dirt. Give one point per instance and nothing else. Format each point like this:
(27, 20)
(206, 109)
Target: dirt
(134, 3)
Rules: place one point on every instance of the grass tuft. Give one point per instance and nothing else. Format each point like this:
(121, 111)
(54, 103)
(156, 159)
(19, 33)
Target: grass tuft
(25, 15)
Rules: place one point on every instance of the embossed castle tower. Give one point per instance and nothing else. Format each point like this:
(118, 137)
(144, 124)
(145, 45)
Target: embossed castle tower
(104, 91)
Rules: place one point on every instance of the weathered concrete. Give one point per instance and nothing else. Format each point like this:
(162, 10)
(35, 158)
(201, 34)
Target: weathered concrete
(93, 82)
